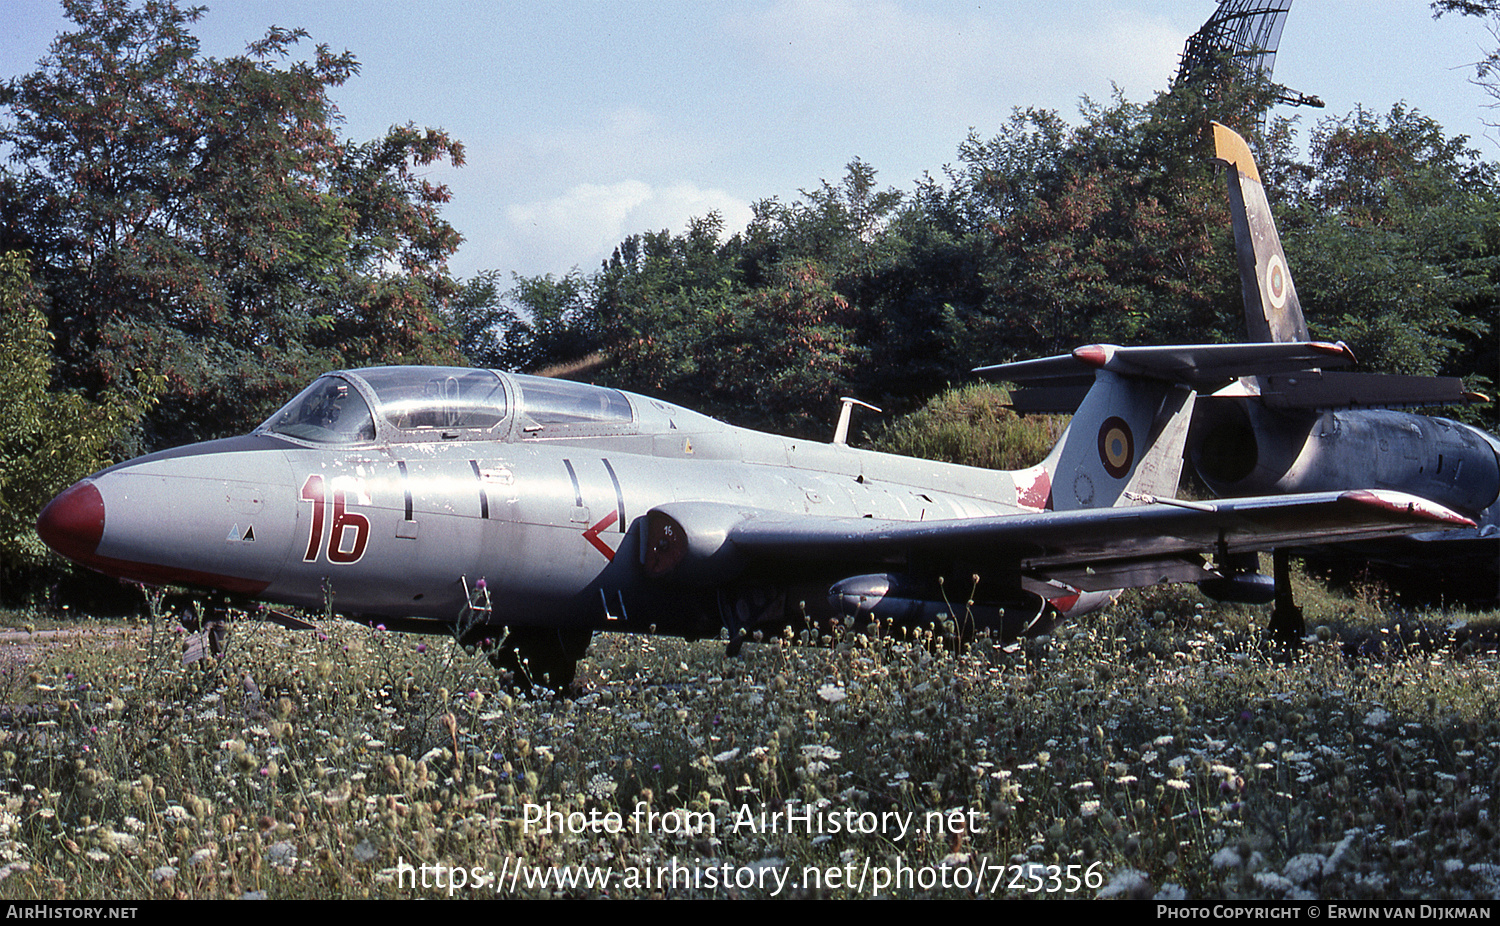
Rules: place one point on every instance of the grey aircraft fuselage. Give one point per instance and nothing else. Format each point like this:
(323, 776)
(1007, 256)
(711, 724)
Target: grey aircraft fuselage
(389, 494)
(535, 494)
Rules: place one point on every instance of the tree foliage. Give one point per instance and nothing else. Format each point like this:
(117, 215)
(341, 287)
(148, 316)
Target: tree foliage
(48, 438)
(679, 319)
(540, 323)
(1049, 235)
(1396, 244)
(204, 218)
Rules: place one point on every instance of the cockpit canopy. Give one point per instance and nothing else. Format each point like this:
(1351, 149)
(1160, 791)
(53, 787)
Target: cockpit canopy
(444, 403)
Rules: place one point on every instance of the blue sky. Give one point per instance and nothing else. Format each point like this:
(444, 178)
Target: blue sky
(588, 121)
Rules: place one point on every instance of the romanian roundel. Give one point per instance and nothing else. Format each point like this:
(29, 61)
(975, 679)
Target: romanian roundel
(1116, 447)
(1276, 281)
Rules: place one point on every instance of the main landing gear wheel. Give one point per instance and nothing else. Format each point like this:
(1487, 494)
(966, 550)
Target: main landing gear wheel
(1287, 623)
(541, 656)
(212, 617)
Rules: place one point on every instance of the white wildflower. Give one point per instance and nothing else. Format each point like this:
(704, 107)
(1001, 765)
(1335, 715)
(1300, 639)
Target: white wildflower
(1272, 882)
(832, 693)
(14, 867)
(1127, 882)
(1303, 868)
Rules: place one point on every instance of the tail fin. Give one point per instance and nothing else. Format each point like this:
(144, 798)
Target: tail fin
(1272, 312)
(1125, 441)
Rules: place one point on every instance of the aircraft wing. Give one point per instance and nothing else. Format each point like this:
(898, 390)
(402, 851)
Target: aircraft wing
(1090, 549)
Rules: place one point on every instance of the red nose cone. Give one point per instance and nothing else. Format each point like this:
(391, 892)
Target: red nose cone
(73, 523)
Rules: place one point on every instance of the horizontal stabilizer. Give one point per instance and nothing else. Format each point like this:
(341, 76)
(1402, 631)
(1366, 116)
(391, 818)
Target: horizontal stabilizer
(1057, 397)
(1337, 390)
(1204, 367)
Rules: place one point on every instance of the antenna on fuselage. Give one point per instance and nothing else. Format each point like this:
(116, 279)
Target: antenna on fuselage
(841, 433)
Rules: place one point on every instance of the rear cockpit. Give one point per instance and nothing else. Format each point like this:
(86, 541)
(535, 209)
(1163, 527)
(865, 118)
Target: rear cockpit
(553, 408)
(418, 404)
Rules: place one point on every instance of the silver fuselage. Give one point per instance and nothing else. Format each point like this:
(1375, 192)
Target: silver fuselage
(406, 523)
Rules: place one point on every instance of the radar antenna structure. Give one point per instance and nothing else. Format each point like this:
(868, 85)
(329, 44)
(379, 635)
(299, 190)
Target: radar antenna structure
(1244, 34)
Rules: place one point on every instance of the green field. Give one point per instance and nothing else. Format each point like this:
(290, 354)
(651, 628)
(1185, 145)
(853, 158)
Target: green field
(1159, 748)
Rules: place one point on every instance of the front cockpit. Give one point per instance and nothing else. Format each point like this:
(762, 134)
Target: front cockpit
(330, 411)
(416, 404)
(442, 402)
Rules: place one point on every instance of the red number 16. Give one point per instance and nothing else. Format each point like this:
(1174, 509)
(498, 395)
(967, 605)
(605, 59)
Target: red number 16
(313, 490)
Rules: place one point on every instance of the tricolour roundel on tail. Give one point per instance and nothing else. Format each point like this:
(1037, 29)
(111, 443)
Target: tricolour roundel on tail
(1125, 439)
(1116, 446)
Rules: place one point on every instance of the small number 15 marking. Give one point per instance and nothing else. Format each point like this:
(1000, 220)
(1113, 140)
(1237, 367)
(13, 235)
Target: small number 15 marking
(315, 490)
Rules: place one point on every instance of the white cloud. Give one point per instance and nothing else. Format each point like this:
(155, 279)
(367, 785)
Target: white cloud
(608, 145)
(588, 220)
(561, 196)
(964, 61)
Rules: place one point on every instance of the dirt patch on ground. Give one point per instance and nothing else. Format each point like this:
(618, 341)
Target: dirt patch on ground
(23, 646)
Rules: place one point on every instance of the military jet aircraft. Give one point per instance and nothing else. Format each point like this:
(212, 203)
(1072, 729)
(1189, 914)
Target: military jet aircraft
(1316, 429)
(1320, 429)
(396, 493)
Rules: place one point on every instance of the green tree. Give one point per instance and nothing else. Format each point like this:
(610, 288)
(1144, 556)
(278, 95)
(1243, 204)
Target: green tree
(840, 226)
(1109, 230)
(543, 322)
(203, 218)
(1396, 245)
(680, 324)
(787, 348)
(654, 300)
(48, 439)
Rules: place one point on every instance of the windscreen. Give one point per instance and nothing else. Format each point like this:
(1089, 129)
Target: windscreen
(330, 411)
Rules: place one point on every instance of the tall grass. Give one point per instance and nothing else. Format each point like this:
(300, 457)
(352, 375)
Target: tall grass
(1161, 744)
